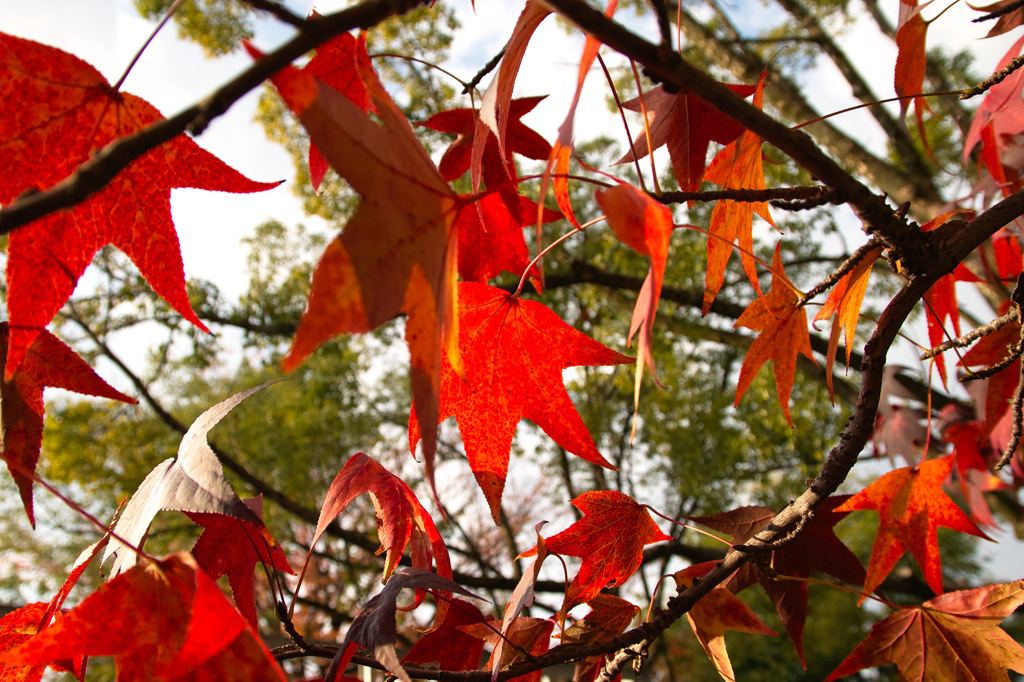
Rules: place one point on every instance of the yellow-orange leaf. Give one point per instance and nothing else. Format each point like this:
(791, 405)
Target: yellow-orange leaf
(783, 327)
(844, 302)
(716, 612)
(737, 166)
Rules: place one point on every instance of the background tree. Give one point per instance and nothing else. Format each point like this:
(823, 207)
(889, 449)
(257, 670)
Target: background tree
(695, 454)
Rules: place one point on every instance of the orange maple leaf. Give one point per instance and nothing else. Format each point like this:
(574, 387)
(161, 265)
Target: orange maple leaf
(74, 112)
(784, 334)
(646, 226)
(610, 538)
(530, 635)
(396, 254)
(514, 352)
(954, 636)
(845, 302)
(181, 627)
(737, 166)
(47, 362)
(716, 612)
(911, 505)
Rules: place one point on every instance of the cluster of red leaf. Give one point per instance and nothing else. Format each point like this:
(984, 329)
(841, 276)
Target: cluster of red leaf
(478, 353)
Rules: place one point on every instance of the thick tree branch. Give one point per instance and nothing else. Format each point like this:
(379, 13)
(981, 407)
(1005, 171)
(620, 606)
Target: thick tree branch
(901, 237)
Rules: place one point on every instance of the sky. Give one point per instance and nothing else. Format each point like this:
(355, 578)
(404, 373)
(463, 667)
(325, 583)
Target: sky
(173, 74)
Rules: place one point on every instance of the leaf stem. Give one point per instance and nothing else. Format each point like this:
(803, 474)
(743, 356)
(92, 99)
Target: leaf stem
(686, 525)
(163, 22)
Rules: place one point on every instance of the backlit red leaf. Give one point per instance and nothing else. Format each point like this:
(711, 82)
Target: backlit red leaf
(911, 505)
(609, 617)
(514, 351)
(448, 645)
(401, 518)
(496, 107)
(160, 621)
(18, 627)
(232, 547)
(46, 362)
(783, 335)
(1000, 112)
(396, 253)
(496, 160)
(911, 60)
(685, 124)
(491, 237)
(610, 538)
(75, 112)
(955, 636)
(531, 635)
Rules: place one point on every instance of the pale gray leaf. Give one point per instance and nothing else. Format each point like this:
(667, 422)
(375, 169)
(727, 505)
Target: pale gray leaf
(192, 482)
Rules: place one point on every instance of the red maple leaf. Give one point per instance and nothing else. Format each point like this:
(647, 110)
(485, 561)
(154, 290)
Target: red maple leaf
(496, 163)
(47, 362)
(992, 349)
(954, 636)
(180, 627)
(1000, 114)
(687, 125)
(610, 538)
(74, 112)
(491, 237)
(232, 547)
(401, 231)
(18, 627)
(336, 64)
(609, 617)
(401, 519)
(911, 505)
(448, 644)
(783, 335)
(911, 60)
(514, 351)
(972, 451)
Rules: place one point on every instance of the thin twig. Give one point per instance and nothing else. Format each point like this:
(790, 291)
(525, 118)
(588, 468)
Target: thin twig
(1002, 11)
(799, 193)
(970, 337)
(487, 68)
(843, 269)
(995, 79)
(278, 11)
